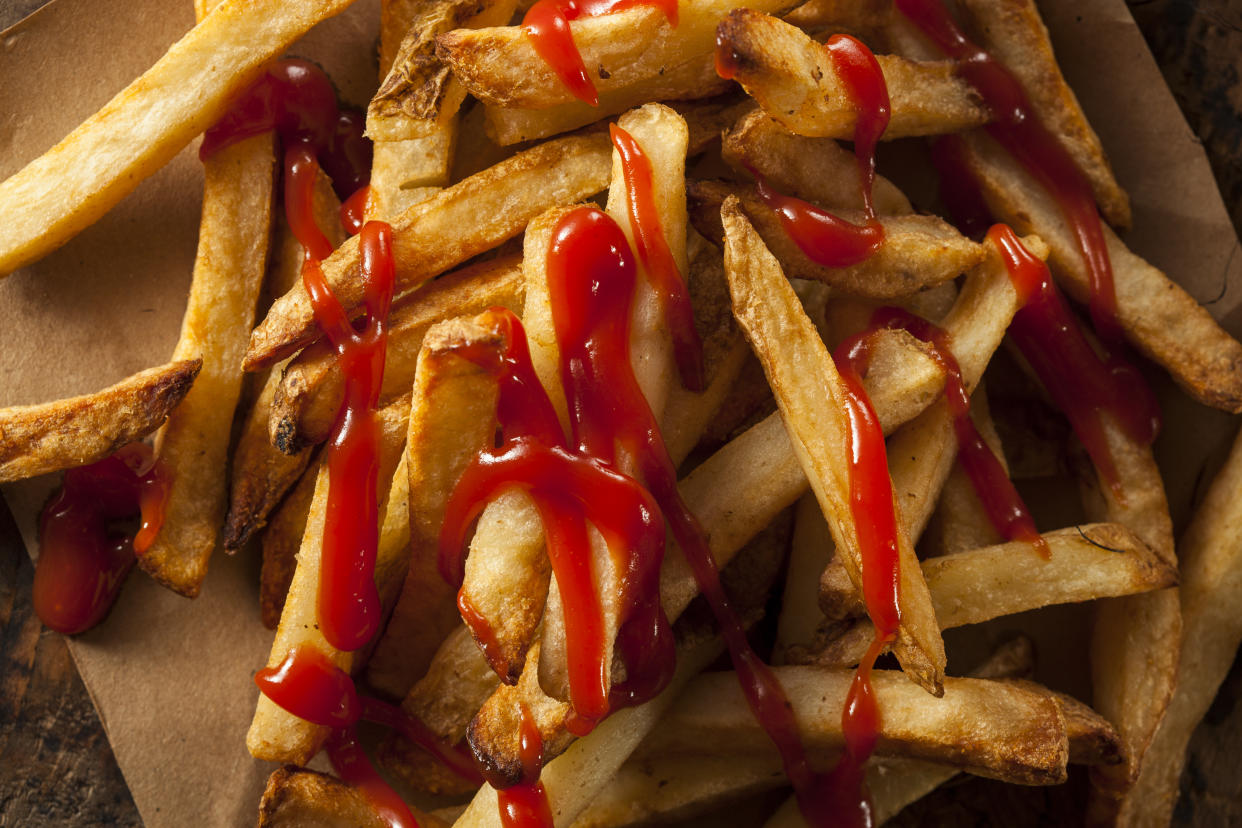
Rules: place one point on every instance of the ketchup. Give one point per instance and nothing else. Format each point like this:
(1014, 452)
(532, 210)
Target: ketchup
(525, 805)
(311, 687)
(352, 765)
(825, 239)
(1001, 501)
(546, 23)
(295, 98)
(1081, 383)
(1018, 129)
(84, 555)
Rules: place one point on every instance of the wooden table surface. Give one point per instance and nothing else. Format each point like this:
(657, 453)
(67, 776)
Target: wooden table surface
(56, 767)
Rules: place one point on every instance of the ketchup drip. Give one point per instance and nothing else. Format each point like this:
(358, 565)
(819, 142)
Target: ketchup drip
(83, 556)
(295, 98)
(653, 251)
(860, 73)
(1004, 506)
(354, 210)
(525, 805)
(1018, 129)
(546, 23)
(1081, 383)
(311, 687)
(826, 239)
(352, 765)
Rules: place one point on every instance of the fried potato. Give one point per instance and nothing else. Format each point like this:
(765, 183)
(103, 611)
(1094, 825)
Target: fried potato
(1100, 560)
(808, 390)
(468, 218)
(988, 728)
(297, 797)
(68, 188)
(280, 543)
(275, 734)
(228, 274)
(310, 392)
(918, 252)
(1211, 580)
(37, 439)
(796, 82)
(622, 50)
(818, 170)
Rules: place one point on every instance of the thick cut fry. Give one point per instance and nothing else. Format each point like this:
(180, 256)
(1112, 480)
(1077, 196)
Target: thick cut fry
(818, 170)
(988, 728)
(1160, 319)
(37, 439)
(466, 219)
(280, 543)
(418, 96)
(918, 252)
(67, 189)
(228, 273)
(309, 397)
(1210, 593)
(796, 82)
(275, 734)
(808, 390)
(297, 797)
(501, 67)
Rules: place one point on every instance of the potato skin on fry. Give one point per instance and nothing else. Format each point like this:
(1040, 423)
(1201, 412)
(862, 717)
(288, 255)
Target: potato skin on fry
(37, 439)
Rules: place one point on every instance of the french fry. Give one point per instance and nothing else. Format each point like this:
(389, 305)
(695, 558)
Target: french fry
(67, 189)
(296, 797)
(468, 218)
(795, 81)
(1211, 579)
(818, 170)
(275, 734)
(228, 273)
(918, 252)
(280, 543)
(310, 392)
(812, 405)
(624, 49)
(37, 439)
(1101, 560)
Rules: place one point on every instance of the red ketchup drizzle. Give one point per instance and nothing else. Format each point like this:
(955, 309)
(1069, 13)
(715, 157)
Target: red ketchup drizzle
(1004, 506)
(351, 764)
(1081, 383)
(860, 72)
(526, 803)
(83, 557)
(657, 259)
(354, 210)
(311, 687)
(1018, 129)
(546, 23)
(825, 239)
(295, 98)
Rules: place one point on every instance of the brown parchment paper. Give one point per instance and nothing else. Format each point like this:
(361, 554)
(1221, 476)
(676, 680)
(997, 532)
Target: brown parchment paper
(171, 678)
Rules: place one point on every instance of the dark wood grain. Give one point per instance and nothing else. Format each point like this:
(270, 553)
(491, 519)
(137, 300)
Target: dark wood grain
(55, 764)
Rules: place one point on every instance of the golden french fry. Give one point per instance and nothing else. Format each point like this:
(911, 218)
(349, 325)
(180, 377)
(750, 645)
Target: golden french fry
(37, 439)
(275, 734)
(808, 390)
(796, 82)
(918, 252)
(468, 218)
(280, 543)
(68, 188)
(818, 170)
(310, 392)
(634, 46)
(228, 273)
(1211, 579)
(297, 797)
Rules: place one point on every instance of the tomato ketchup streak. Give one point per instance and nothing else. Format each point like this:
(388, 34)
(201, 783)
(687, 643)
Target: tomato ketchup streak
(546, 23)
(1018, 129)
(1081, 383)
(826, 239)
(1001, 501)
(83, 556)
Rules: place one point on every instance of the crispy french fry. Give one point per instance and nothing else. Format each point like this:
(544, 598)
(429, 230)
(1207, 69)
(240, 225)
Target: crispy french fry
(918, 252)
(795, 81)
(818, 170)
(501, 67)
(228, 273)
(281, 541)
(1211, 579)
(1101, 560)
(812, 405)
(468, 218)
(310, 391)
(275, 734)
(297, 797)
(68, 188)
(37, 439)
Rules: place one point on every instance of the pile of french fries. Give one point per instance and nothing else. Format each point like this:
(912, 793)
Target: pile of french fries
(479, 150)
